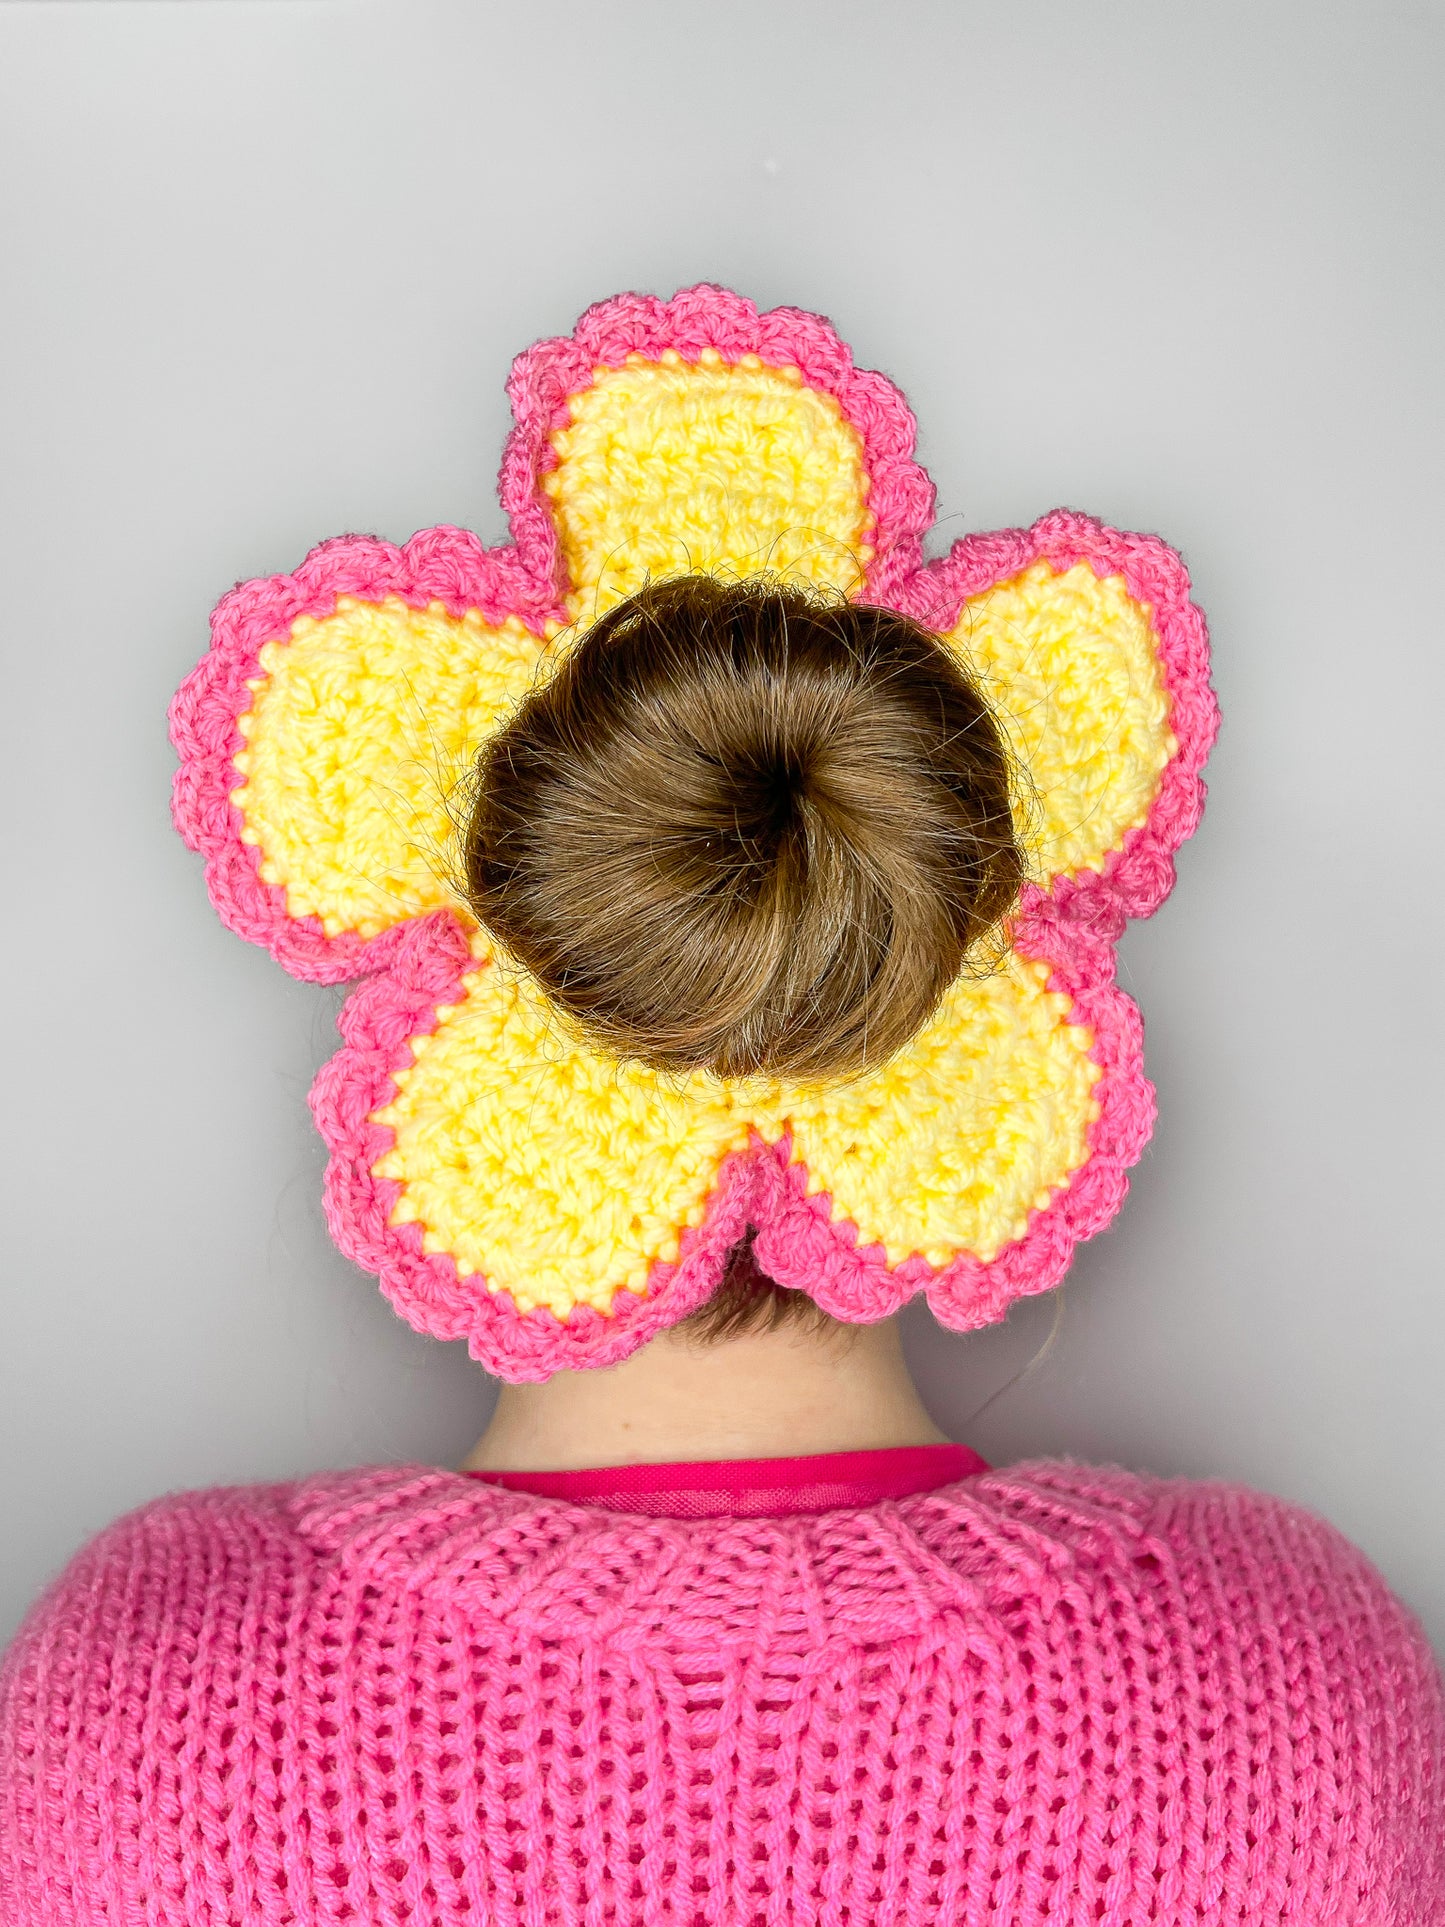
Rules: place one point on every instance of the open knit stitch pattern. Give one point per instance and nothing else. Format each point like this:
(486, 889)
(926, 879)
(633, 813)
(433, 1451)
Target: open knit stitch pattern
(860, 1257)
(1051, 1696)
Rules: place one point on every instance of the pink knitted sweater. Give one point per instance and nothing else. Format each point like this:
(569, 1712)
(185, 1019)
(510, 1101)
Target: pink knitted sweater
(1047, 1694)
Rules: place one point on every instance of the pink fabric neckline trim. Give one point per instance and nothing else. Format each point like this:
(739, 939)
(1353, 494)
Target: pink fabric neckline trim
(753, 1488)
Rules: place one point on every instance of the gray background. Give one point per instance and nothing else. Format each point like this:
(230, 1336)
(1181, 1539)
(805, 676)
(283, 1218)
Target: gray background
(265, 267)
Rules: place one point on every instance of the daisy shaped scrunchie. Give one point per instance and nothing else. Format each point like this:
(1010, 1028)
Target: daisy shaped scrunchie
(507, 1183)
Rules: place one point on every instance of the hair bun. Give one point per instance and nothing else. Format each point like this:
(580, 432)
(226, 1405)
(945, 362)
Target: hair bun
(746, 828)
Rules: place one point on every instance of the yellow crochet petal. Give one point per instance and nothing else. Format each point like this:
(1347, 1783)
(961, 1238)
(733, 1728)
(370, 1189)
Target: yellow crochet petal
(732, 468)
(557, 1175)
(977, 1123)
(1070, 663)
(357, 735)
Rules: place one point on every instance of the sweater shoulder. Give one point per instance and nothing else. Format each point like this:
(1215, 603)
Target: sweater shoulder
(1261, 1539)
(153, 1565)
(1227, 1525)
(174, 1520)
(1277, 1574)
(1219, 1552)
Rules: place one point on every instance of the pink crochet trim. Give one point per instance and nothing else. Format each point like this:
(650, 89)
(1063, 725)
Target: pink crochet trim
(414, 968)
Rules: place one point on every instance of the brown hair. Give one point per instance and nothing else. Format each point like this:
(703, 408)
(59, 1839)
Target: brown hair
(745, 828)
(747, 1300)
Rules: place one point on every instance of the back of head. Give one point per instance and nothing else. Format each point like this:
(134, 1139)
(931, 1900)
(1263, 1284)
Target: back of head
(746, 829)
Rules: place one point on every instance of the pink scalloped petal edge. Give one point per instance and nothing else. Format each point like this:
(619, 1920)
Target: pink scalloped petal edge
(545, 376)
(1138, 876)
(804, 1244)
(443, 565)
(800, 1242)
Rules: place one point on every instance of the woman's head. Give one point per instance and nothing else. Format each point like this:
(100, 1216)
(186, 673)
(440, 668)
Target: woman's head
(746, 829)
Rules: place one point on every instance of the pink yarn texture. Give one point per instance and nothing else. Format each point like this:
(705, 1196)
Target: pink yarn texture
(412, 969)
(1050, 1696)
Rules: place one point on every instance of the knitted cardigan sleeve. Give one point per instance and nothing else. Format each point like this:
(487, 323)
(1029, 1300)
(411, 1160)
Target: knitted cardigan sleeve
(1317, 1629)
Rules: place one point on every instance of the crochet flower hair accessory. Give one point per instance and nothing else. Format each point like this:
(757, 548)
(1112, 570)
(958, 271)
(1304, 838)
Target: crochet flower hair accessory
(508, 1183)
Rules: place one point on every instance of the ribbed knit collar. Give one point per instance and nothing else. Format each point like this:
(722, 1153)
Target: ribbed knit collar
(753, 1488)
(554, 1565)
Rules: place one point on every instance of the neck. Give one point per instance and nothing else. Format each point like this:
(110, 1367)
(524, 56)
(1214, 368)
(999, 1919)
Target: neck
(759, 1395)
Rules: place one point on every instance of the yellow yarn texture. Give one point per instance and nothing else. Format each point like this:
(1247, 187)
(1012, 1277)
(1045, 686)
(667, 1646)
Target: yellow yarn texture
(361, 731)
(669, 467)
(1069, 666)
